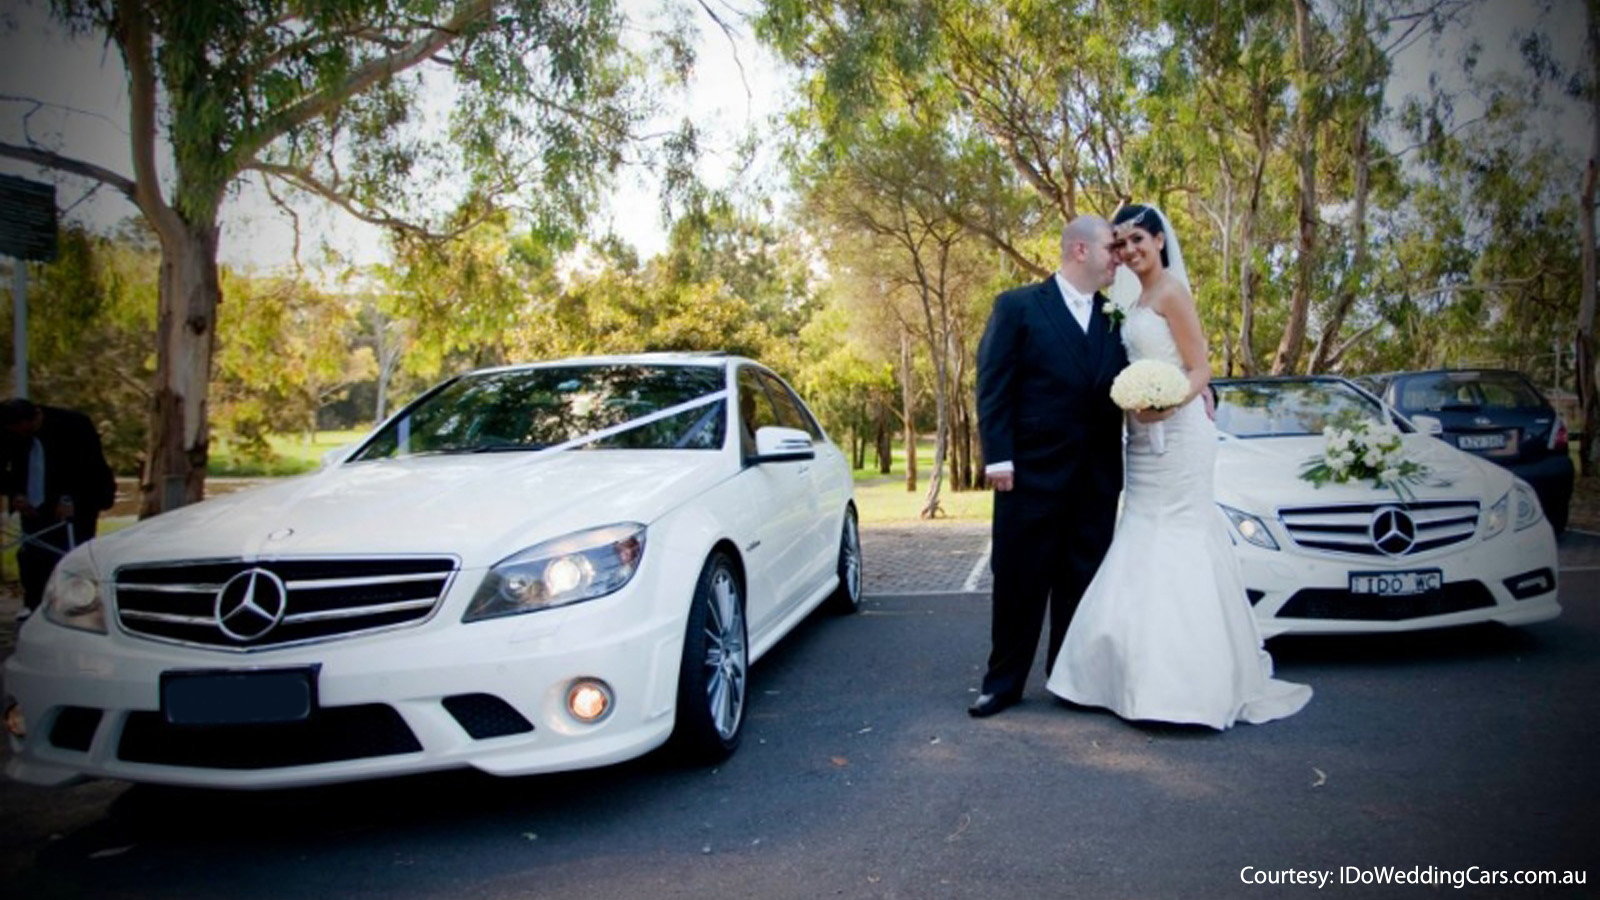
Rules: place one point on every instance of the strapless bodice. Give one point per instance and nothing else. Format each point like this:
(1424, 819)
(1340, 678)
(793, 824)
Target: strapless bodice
(1145, 335)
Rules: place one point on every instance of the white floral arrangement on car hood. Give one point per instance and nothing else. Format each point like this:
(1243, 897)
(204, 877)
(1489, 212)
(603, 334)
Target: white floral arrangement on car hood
(1365, 450)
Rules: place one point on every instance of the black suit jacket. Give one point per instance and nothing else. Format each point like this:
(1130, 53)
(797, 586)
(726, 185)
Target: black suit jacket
(74, 463)
(1044, 392)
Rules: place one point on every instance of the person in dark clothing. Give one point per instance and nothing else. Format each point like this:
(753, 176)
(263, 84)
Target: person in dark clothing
(1052, 441)
(55, 475)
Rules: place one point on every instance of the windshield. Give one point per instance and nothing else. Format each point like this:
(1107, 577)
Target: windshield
(1251, 409)
(1446, 391)
(530, 409)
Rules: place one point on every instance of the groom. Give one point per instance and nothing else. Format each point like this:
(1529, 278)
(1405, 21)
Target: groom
(1053, 440)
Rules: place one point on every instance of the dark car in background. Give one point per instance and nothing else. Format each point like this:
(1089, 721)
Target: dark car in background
(1495, 413)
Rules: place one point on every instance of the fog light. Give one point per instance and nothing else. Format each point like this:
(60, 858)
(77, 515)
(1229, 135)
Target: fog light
(589, 700)
(1531, 584)
(16, 724)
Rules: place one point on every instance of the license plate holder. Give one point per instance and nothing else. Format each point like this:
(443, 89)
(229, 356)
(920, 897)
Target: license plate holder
(239, 696)
(1396, 584)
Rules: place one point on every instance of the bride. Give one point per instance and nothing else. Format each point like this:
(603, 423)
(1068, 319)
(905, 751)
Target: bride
(1164, 631)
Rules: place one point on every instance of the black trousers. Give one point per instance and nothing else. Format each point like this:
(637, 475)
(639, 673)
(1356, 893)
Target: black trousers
(43, 548)
(1047, 547)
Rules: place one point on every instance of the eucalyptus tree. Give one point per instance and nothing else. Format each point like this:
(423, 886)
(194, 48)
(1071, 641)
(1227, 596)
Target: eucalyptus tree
(889, 203)
(1588, 371)
(422, 116)
(1048, 86)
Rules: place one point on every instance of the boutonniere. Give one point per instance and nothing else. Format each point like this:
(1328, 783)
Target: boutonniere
(1113, 312)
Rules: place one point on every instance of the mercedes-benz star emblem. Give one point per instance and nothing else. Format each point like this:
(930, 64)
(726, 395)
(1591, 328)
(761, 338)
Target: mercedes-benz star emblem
(251, 604)
(1393, 531)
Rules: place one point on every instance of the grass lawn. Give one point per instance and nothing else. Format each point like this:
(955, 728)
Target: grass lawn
(883, 499)
(293, 454)
(880, 498)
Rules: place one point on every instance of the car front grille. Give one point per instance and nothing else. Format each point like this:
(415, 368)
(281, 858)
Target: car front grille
(286, 601)
(1356, 528)
(1333, 603)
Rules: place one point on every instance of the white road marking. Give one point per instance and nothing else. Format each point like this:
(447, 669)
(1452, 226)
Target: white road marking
(971, 584)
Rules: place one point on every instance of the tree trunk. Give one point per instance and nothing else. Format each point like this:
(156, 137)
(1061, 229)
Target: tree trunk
(190, 291)
(1247, 240)
(909, 408)
(1287, 358)
(941, 431)
(1587, 377)
(1328, 349)
(1354, 281)
(960, 448)
(883, 444)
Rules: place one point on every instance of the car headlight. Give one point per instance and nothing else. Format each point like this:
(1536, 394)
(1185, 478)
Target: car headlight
(72, 595)
(576, 567)
(1249, 527)
(1526, 509)
(1494, 520)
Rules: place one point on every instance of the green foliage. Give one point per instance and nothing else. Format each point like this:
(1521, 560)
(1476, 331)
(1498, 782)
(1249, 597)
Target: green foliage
(287, 454)
(288, 349)
(1438, 238)
(91, 317)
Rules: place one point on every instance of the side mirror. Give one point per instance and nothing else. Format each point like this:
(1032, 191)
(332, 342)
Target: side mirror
(775, 443)
(337, 455)
(1428, 425)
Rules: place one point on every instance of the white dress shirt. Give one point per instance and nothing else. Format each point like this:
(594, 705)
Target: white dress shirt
(35, 492)
(1081, 305)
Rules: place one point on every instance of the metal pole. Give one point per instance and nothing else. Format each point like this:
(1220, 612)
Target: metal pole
(19, 326)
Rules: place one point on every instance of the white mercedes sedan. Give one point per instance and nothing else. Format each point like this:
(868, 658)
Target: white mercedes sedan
(528, 569)
(1467, 543)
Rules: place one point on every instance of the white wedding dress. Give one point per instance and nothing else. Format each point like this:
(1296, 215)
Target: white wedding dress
(1164, 631)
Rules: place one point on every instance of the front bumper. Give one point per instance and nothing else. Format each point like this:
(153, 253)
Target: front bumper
(1299, 591)
(388, 704)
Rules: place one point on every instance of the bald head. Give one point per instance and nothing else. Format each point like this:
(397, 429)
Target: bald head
(1086, 258)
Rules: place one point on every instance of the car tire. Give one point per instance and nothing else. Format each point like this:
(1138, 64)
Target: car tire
(846, 598)
(715, 671)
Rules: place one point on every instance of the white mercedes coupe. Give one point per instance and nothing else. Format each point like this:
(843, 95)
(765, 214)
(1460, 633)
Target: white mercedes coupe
(1468, 544)
(528, 569)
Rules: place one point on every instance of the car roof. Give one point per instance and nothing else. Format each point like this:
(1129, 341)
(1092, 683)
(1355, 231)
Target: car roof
(711, 359)
(1462, 370)
(1283, 379)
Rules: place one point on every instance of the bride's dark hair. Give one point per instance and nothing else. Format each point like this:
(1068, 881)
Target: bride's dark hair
(1144, 217)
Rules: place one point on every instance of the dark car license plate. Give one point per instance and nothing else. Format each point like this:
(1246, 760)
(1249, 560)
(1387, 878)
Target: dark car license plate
(1495, 441)
(1396, 584)
(238, 696)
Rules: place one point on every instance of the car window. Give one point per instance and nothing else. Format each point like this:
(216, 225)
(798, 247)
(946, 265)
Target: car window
(791, 412)
(755, 408)
(1508, 392)
(1251, 409)
(1442, 391)
(533, 408)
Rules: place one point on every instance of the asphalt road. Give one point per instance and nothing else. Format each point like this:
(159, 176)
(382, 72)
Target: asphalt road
(862, 776)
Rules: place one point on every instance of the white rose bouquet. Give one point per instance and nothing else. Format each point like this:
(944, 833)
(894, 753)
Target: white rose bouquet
(1365, 450)
(1150, 384)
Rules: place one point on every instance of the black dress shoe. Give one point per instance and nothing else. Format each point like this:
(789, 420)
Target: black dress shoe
(989, 704)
